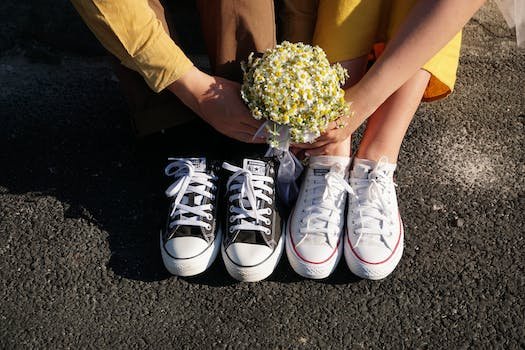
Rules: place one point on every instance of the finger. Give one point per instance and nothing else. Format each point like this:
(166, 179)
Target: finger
(316, 144)
(326, 138)
(248, 138)
(249, 120)
(335, 125)
(248, 129)
(319, 151)
(332, 125)
(334, 135)
(300, 155)
(258, 139)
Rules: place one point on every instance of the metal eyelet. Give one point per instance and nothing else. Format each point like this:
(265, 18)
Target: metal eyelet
(231, 208)
(231, 229)
(209, 216)
(208, 227)
(231, 219)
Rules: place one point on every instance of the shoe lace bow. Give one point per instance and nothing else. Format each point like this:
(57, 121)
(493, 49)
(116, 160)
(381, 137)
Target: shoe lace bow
(373, 214)
(188, 181)
(325, 199)
(249, 190)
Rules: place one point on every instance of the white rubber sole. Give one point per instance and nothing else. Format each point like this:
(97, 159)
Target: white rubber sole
(308, 269)
(257, 272)
(195, 265)
(373, 271)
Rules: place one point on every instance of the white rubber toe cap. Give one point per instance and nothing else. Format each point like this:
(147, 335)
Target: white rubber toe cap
(371, 262)
(372, 253)
(315, 254)
(185, 247)
(246, 254)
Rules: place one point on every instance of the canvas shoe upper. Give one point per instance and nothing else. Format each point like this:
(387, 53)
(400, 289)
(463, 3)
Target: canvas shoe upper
(252, 243)
(191, 239)
(315, 227)
(374, 238)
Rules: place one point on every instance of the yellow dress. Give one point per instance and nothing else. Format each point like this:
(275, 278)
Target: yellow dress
(348, 29)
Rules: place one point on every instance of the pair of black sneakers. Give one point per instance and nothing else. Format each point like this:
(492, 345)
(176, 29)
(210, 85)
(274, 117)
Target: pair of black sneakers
(222, 206)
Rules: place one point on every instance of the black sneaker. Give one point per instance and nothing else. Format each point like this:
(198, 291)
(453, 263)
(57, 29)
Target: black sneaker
(192, 237)
(252, 244)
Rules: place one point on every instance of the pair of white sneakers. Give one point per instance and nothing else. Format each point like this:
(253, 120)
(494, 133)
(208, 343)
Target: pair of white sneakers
(341, 211)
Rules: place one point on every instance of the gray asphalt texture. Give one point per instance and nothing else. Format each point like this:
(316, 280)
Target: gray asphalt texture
(81, 206)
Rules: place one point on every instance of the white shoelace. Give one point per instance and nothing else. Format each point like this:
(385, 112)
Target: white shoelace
(250, 189)
(321, 218)
(188, 181)
(373, 215)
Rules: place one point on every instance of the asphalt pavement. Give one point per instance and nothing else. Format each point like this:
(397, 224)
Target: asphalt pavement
(81, 206)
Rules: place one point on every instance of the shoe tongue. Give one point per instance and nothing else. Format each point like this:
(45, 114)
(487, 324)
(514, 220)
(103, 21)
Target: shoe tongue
(361, 171)
(321, 171)
(199, 164)
(256, 167)
(321, 165)
(193, 199)
(363, 167)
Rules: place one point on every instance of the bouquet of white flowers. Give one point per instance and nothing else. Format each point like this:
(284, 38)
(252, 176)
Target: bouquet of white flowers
(294, 87)
(298, 92)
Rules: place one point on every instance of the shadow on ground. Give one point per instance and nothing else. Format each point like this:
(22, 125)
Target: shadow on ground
(103, 175)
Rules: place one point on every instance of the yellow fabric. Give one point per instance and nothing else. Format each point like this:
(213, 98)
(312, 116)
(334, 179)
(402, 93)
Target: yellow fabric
(130, 30)
(348, 29)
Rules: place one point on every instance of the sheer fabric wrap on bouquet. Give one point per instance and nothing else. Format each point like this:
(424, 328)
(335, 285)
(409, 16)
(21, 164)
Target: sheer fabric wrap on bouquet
(296, 90)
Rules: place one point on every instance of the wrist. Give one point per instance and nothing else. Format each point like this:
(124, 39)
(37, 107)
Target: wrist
(186, 84)
(361, 103)
(191, 88)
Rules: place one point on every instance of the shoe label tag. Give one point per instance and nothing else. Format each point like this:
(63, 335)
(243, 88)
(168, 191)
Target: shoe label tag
(198, 163)
(321, 172)
(256, 167)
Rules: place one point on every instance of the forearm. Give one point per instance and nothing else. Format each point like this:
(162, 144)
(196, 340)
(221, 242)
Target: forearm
(427, 28)
(193, 87)
(130, 30)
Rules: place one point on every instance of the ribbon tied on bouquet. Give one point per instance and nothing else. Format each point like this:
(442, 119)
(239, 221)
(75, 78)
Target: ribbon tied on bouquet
(290, 168)
(298, 92)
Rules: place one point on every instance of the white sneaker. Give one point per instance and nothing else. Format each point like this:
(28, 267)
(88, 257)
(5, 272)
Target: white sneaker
(374, 233)
(192, 237)
(314, 229)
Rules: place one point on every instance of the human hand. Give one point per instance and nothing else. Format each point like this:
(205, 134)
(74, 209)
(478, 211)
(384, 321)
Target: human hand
(218, 102)
(333, 140)
(339, 131)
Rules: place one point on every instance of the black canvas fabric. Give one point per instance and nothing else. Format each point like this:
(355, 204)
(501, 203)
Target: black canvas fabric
(212, 168)
(252, 236)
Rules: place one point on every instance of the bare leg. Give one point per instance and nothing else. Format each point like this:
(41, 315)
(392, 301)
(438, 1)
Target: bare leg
(386, 128)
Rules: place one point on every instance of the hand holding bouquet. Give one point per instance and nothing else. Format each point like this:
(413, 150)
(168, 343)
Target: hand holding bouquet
(296, 90)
